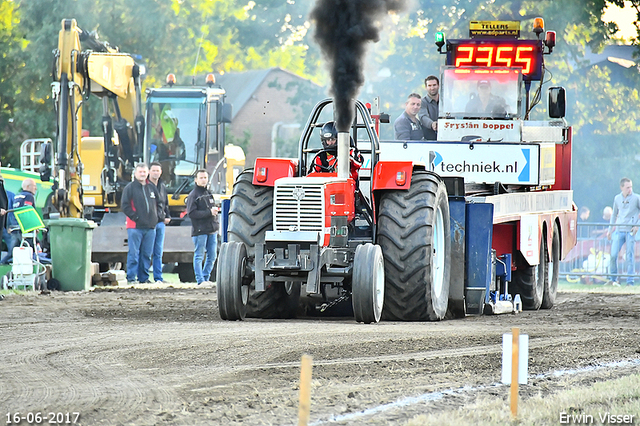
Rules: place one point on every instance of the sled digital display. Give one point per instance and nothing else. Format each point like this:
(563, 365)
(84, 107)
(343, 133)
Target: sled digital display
(524, 54)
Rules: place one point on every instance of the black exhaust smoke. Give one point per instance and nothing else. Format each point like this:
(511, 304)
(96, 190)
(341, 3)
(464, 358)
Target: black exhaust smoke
(343, 28)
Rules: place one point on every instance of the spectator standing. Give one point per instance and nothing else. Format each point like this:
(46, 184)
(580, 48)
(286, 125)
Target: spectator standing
(164, 217)
(203, 213)
(4, 207)
(429, 108)
(407, 126)
(583, 218)
(584, 213)
(622, 229)
(140, 204)
(602, 230)
(10, 239)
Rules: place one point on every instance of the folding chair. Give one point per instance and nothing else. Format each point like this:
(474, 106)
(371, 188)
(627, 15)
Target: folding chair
(23, 275)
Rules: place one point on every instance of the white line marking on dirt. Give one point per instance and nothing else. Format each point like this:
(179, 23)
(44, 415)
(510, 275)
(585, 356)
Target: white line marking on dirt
(436, 396)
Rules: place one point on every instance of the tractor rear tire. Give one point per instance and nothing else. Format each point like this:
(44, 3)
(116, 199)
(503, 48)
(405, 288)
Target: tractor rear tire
(185, 271)
(232, 294)
(553, 271)
(415, 237)
(529, 281)
(250, 217)
(250, 212)
(367, 285)
(278, 301)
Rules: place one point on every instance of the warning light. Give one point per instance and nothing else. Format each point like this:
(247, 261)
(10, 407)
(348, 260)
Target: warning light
(550, 40)
(439, 40)
(210, 80)
(171, 79)
(538, 26)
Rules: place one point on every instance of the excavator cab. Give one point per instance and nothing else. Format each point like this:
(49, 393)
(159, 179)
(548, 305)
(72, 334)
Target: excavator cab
(186, 132)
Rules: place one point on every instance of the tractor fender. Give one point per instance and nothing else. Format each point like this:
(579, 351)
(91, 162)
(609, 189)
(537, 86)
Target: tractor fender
(268, 170)
(387, 175)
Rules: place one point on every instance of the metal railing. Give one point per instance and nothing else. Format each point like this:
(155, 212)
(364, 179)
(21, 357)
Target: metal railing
(30, 154)
(589, 261)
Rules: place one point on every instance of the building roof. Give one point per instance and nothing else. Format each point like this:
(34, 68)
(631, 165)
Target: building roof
(241, 86)
(622, 55)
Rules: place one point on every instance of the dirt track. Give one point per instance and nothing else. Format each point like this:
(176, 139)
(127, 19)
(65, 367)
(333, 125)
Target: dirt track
(163, 356)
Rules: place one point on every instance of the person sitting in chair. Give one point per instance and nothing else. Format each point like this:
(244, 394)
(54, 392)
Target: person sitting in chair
(25, 198)
(326, 160)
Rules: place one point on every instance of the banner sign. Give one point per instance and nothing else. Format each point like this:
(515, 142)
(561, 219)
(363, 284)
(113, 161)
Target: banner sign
(508, 163)
(479, 130)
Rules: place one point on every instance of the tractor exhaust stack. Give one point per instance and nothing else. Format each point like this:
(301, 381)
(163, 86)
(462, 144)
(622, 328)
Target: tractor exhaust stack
(343, 155)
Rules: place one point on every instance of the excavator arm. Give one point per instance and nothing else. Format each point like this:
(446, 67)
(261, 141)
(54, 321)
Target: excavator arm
(84, 66)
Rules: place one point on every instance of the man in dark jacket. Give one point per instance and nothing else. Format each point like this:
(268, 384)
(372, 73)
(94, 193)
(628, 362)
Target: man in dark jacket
(8, 235)
(407, 126)
(204, 226)
(164, 217)
(4, 206)
(140, 204)
(429, 108)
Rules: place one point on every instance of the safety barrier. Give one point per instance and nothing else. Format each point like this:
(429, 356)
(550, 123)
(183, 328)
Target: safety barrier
(589, 261)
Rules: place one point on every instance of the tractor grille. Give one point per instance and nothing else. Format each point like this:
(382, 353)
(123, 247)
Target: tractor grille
(299, 207)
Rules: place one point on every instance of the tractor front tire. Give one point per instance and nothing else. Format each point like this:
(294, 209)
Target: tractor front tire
(250, 217)
(232, 294)
(415, 237)
(367, 286)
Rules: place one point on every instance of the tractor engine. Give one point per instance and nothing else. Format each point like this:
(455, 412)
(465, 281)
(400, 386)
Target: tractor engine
(323, 205)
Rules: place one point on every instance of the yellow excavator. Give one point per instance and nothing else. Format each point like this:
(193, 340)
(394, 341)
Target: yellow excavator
(90, 172)
(84, 66)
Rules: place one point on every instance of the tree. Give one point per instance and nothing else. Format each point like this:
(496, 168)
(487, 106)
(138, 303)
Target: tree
(184, 37)
(605, 113)
(16, 88)
(198, 36)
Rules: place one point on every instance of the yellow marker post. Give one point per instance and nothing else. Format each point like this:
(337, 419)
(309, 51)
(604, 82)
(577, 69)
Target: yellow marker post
(305, 390)
(514, 370)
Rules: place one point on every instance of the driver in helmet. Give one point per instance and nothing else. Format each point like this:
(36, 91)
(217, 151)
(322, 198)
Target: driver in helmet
(327, 159)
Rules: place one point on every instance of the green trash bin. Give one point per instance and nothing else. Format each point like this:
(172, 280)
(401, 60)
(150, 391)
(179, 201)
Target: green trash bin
(70, 241)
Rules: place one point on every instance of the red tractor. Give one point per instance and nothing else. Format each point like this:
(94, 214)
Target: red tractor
(298, 237)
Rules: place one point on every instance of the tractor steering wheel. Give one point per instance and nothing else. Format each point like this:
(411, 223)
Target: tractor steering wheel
(314, 165)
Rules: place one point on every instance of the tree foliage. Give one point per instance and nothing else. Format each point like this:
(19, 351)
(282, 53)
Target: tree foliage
(195, 36)
(185, 37)
(603, 104)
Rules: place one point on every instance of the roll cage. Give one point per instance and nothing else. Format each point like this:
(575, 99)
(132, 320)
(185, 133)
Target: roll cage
(362, 132)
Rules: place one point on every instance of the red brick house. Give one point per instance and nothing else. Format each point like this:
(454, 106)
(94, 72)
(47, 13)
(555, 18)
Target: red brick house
(272, 105)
